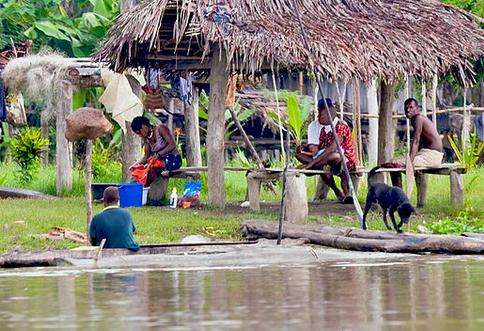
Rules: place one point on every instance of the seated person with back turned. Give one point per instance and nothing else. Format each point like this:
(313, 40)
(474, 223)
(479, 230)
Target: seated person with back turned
(113, 224)
(160, 148)
(322, 150)
(426, 148)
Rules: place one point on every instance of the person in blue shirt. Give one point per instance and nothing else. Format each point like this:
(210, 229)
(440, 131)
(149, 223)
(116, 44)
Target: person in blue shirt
(113, 224)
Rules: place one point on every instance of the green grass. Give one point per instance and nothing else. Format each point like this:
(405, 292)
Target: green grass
(22, 220)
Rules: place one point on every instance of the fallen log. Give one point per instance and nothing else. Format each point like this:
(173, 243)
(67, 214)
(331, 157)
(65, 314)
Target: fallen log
(18, 193)
(359, 240)
(479, 236)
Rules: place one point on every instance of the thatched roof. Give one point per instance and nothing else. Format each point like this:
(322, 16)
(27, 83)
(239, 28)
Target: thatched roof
(350, 38)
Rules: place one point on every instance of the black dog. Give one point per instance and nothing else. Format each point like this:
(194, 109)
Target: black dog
(390, 199)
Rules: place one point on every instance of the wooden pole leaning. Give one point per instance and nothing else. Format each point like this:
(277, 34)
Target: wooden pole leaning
(87, 184)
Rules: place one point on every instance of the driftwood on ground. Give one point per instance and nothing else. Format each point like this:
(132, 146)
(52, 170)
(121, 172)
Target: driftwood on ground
(360, 240)
(18, 193)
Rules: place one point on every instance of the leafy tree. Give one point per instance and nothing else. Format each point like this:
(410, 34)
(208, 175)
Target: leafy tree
(474, 6)
(73, 26)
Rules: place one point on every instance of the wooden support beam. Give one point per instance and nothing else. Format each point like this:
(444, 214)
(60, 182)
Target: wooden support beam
(372, 106)
(216, 129)
(435, 83)
(466, 122)
(424, 99)
(63, 147)
(357, 119)
(386, 129)
(44, 132)
(192, 132)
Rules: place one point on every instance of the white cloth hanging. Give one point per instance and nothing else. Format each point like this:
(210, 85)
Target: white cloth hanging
(119, 99)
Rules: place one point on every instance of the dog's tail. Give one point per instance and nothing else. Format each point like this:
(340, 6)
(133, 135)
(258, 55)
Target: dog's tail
(371, 174)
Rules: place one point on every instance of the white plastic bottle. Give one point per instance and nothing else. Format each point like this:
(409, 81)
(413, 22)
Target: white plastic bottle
(173, 198)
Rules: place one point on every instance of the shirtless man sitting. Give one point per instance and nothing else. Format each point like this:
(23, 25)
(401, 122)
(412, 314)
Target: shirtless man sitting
(426, 149)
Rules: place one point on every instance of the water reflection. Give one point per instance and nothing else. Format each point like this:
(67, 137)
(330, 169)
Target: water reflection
(411, 295)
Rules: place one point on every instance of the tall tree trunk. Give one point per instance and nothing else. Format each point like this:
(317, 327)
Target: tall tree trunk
(63, 147)
(131, 143)
(372, 104)
(44, 133)
(216, 128)
(192, 132)
(386, 129)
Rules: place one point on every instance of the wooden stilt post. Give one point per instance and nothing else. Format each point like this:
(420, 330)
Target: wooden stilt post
(171, 108)
(424, 99)
(408, 91)
(357, 119)
(466, 122)
(435, 82)
(315, 97)
(88, 181)
(216, 129)
(386, 129)
(44, 124)
(341, 98)
(192, 132)
(63, 147)
(301, 82)
(372, 105)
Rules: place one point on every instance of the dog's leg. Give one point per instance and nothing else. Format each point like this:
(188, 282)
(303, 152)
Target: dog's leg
(369, 202)
(392, 217)
(385, 219)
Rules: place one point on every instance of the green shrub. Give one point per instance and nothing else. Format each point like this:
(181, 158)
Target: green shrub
(471, 154)
(104, 161)
(25, 149)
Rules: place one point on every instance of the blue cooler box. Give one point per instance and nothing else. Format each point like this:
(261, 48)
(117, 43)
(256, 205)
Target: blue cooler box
(130, 195)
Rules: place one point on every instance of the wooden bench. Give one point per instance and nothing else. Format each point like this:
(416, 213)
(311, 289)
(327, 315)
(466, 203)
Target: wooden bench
(453, 170)
(257, 176)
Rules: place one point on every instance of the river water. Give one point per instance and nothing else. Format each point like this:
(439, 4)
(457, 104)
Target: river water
(424, 294)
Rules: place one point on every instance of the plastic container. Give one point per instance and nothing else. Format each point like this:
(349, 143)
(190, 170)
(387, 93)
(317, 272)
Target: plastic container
(173, 198)
(130, 195)
(145, 195)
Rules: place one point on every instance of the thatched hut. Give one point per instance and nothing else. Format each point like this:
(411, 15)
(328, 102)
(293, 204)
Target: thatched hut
(362, 39)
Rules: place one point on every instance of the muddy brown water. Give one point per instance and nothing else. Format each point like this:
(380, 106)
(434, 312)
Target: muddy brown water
(437, 293)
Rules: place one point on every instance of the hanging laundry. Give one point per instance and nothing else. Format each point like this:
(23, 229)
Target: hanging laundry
(119, 99)
(182, 85)
(220, 14)
(152, 77)
(479, 122)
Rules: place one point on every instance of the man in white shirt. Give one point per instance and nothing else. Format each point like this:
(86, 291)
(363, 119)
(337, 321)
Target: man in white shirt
(321, 149)
(307, 153)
